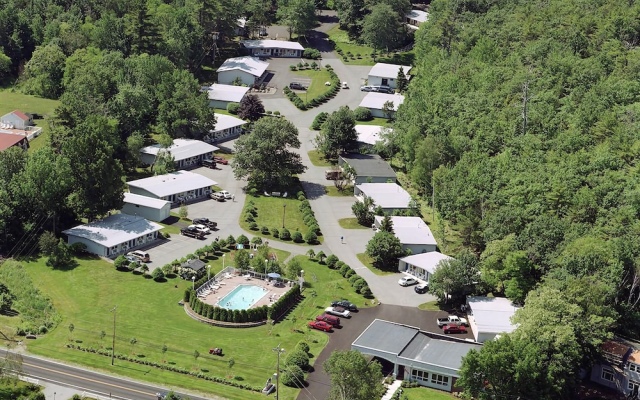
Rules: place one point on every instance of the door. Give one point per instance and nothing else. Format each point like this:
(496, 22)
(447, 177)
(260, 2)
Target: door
(385, 82)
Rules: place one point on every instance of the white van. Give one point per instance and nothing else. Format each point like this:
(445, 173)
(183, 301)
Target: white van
(140, 255)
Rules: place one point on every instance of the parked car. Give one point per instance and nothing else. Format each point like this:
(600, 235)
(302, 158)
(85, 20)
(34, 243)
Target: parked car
(206, 222)
(139, 255)
(201, 228)
(421, 288)
(297, 86)
(384, 89)
(217, 196)
(221, 160)
(131, 259)
(339, 311)
(226, 194)
(330, 319)
(320, 325)
(366, 89)
(209, 163)
(454, 329)
(192, 232)
(407, 281)
(344, 304)
(452, 320)
(333, 174)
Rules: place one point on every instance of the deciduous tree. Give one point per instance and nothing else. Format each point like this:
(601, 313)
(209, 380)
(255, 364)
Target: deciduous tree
(251, 108)
(338, 133)
(353, 377)
(385, 249)
(382, 28)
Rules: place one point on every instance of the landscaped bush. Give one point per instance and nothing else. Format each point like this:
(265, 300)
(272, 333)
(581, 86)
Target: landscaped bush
(299, 358)
(311, 238)
(253, 226)
(331, 261)
(277, 113)
(248, 217)
(157, 275)
(233, 108)
(362, 114)
(293, 376)
(300, 193)
(293, 67)
(257, 240)
(310, 53)
(231, 241)
(275, 233)
(285, 234)
(359, 284)
(344, 269)
(303, 346)
(366, 291)
(242, 239)
(353, 278)
(297, 237)
(284, 303)
(350, 273)
(315, 229)
(264, 230)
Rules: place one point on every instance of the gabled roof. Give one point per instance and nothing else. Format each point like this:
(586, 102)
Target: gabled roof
(145, 201)
(172, 183)
(492, 314)
(18, 114)
(182, 149)
(271, 44)
(369, 165)
(426, 261)
(375, 100)
(114, 230)
(226, 92)
(250, 65)
(443, 354)
(224, 121)
(410, 230)
(388, 70)
(370, 134)
(378, 333)
(194, 264)
(418, 15)
(9, 140)
(386, 195)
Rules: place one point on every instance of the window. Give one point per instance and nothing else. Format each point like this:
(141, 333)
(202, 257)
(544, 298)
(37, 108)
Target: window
(440, 379)
(634, 386)
(634, 367)
(607, 374)
(419, 375)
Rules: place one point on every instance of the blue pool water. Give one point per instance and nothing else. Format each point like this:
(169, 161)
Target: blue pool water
(242, 297)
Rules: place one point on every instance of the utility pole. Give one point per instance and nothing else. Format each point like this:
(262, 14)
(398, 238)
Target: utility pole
(278, 350)
(113, 344)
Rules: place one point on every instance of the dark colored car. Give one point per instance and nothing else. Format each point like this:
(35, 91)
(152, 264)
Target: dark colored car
(320, 325)
(221, 160)
(209, 163)
(421, 288)
(454, 329)
(331, 319)
(345, 304)
(296, 86)
(206, 222)
(191, 232)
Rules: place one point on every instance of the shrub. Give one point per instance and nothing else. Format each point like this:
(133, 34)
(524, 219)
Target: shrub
(329, 67)
(311, 238)
(233, 108)
(285, 234)
(315, 229)
(242, 239)
(353, 278)
(303, 346)
(264, 230)
(349, 274)
(157, 274)
(269, 112)
(275, 233)
(362, 114)
(310, 53)
(359, 284)
(297, 237)
(120, 262)
(276, 113)
(249, 217)
(339, 265)
(344, 269)
(366, 291)
(331, 261)
(293, 67)
(293, 376)
(253, 226)
(257, 240)
(300, 193)
(299, 358)
(231, 241)
(300, 65)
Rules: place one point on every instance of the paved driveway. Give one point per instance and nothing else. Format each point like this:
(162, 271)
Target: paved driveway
(341, 339)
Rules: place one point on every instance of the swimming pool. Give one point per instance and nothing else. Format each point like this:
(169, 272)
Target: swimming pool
(242, 297)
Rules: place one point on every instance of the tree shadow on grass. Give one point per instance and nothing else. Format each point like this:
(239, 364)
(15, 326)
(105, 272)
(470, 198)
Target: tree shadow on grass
(313, 190)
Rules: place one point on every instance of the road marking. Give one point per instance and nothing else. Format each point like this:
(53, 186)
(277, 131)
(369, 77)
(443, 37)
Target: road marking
(89, 379)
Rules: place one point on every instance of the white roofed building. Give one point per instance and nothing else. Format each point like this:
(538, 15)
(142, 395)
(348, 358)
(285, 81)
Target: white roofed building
(114, 235)
(176, 187)
(227, 127)
(383, 74)
(247, 70)
(221, 95)
(273, 48)
(422, 265)
(375, 102)
(490, 316)
(415, 18)
(187, 153)
(369, 135)
(146, 207)
(413, 233)
(389, 196)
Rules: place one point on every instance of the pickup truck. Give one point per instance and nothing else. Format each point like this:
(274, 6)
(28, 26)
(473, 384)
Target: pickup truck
(452, 320)
(206, 222)
(191, 232)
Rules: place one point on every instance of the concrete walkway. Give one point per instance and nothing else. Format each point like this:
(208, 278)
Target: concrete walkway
(391, 390)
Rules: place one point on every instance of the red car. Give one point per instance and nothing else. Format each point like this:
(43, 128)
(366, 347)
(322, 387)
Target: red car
(330, 319)
(320, 325)
(221, 160)
(454, 329)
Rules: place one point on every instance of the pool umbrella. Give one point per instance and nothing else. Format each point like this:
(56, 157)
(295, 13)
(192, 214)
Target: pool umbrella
(273, 275)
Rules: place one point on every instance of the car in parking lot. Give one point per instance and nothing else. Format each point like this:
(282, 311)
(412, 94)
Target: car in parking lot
(221, 160)
(131, 259)
(384, 89)
(226, 194)
(191, 231)
(209, 163)
(217, 196)
(344, 304)
(339, 311)
(201, 228)
(206, 222)
(140, 255)
(345, 85)
(330, 319)
(297, 86)
(320, 325)
(453, 328)
(366, 89)
(421, 288)
(407, 281)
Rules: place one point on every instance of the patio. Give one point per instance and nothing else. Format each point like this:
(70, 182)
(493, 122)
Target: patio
(219, 287)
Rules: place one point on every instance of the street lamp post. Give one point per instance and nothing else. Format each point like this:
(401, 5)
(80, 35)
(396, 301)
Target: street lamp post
(284, 211)
(113, 343)
(266, 266)
(193, 279)
(278, 350)
(208, 272)
(223, 260)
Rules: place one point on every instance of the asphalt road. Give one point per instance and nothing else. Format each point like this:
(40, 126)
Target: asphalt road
(83, 379)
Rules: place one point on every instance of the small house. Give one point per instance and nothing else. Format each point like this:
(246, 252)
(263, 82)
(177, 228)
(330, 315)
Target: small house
(186, 153)
(227, 127)
(8, 140)
(618, 366)
(375, 102)
(383, 74)
(146, 207)
(389, 196)
(193, 267)
(175, 187)
(413, 233)
(369, 135)
(16, 119)
(415, 18)
(220, 96)
(369, 168)
(422, 265)
(246, 70)
(490, 316)
(273, 48)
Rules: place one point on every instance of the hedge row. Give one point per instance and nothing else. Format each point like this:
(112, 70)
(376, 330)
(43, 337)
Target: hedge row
(315, 102)
(309, 219)
(171, 368)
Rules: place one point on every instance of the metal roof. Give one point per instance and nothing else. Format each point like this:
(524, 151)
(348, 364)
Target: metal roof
(9, 140)
(418, 15)
(271, 44)
(386, 195)
(182, 149)
(388, 70)
(250, 65)
(194, 264)
(226, 92)
(492, 314)
(370, 134)
(410, 230)
(173, 183)
(145, 201)
(224, 121)
(376, 100)
(385, 336)
(445, 355)
(427, 261)
(114, 230)
(369, 165)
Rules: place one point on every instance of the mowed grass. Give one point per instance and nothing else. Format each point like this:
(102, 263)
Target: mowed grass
(10, 100)
(149, 312)
(424, 393)
(333, 191)
(317, 86)
(271, 211)
(350, 223)
(377, 121)
(317, 159)
(368, 262)
(342, 42)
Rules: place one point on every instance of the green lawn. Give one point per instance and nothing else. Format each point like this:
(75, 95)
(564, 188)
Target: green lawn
(424, 393)
(333, 191)
(430, 306)
(368, 262)
(318, 159)
(149, 312)
(350, 223)
(10, 100)
(377, 121)
(317, 86)
(342, 42)
(271, 211)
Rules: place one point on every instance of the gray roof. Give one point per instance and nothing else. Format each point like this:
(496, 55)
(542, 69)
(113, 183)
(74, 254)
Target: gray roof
(389, 70)
(194, 264)
(224, 121)
(271, 44)
(385, 336)
(492, 314)
(375, 100)
(145, 201)
(370, 134)
(410, 230)
(437, 352)
(386, 195)
(173, 183)
(182, 149)
(250, 65)
(114, 230)
(369, 165)
(226, 92)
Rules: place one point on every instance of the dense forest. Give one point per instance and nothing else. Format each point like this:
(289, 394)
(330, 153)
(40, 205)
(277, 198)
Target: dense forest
(523, 121)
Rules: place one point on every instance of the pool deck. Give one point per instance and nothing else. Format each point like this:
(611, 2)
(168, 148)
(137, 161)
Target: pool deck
(226, 286)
